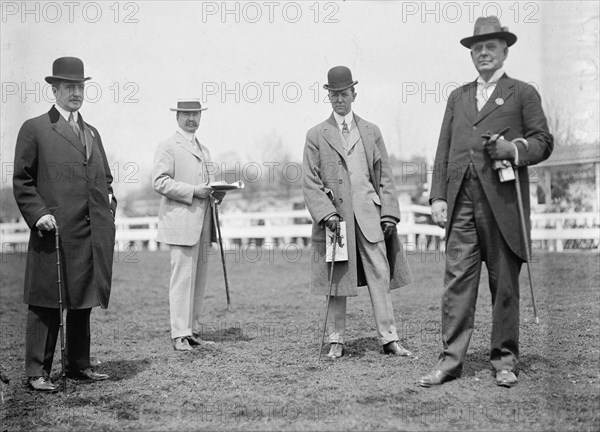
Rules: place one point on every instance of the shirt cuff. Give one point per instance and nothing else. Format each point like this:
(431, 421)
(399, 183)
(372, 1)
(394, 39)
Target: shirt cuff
(389, 219)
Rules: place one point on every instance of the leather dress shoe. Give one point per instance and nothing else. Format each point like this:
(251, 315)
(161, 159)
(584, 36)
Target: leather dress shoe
(336, 350)
(42, 383)
(181, 344)
(195, 340)
(506, 378)
(437, 377)
(88, 373)
(396, 349)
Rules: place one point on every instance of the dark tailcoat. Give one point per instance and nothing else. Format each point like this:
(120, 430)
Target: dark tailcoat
(54, 175)
(513, 104)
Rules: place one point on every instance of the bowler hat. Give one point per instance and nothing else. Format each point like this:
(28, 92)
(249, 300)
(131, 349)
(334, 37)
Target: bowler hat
(489, 28)
(188, 105)
(67, 69)
(339, 78)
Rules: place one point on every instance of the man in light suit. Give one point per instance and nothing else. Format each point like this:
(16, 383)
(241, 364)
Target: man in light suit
(477, 208)
(347, 175)
(181, 176)
(63, 181)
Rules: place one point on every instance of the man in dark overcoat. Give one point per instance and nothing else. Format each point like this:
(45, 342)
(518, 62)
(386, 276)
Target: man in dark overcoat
(478, 207)
(347, 176)
(62, 181)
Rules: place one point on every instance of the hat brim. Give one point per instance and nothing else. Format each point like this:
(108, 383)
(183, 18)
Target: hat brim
(52, 78)
(326, 87)
(188, 109)
(509, 37)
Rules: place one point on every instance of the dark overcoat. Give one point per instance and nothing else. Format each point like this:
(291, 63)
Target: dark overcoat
(513, 104)
(54, 175)
(327, 190)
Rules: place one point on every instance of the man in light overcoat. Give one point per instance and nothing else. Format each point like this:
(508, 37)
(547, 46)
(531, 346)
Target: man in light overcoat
(181, 175)
(63, 181)
(478, 209)
(347, 176)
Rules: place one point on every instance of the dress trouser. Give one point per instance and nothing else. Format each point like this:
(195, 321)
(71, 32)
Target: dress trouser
(474, 237)
(42, 334)
(377, 272)
(189, 265)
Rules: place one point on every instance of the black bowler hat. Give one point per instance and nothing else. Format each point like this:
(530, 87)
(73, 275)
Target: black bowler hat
(189, 105)
(489, 28)
(67, 69)
(339, 78)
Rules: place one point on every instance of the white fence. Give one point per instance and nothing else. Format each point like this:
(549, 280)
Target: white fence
(550, 231)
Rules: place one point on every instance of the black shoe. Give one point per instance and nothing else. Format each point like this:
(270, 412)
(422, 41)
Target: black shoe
(42, 383)
(88, 373)
(437, 377)
(396, 349)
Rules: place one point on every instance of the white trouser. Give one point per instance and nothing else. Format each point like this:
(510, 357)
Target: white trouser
(189, 265)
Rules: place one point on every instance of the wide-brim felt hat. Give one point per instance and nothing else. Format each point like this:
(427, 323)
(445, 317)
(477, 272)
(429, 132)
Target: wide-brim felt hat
(67, 69)
(189, 105)
(339, 78)
(489, 28)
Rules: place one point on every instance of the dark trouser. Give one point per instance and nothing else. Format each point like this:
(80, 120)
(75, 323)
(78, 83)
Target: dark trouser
(42, 334)
(474, 237)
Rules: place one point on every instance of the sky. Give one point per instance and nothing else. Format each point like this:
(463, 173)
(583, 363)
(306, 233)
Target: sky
(259, 67)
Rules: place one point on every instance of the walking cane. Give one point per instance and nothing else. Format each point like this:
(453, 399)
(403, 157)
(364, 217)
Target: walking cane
(525, 240)
(60, 310)
(498, 165)
(220, 238)
(335, 237)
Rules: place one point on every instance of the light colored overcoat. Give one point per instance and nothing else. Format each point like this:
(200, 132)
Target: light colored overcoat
(54, 175)
(327, 190)
(178, 167)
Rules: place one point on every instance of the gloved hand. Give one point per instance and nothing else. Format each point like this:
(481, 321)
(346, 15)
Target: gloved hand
(499, 148)
(388, 228)
(333, 223)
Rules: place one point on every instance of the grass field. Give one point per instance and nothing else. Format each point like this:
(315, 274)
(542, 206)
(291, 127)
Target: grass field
(262, 373)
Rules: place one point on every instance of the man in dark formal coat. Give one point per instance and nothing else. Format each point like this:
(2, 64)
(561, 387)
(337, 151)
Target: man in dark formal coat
(347, 176)
(478, 207)
(62, 181)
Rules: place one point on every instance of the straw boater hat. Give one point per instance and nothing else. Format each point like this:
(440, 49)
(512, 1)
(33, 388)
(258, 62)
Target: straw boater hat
(189, 105)
(67, 69)
(339, 78)
(489, 28)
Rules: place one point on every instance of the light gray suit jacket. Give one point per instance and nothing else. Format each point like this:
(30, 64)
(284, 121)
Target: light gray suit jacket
(178, 167)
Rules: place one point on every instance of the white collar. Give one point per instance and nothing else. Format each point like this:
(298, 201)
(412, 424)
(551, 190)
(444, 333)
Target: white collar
(187, 135)
(63, 112)
(493, 80)
(347, 118)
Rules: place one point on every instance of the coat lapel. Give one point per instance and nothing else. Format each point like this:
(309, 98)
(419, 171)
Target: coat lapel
(187, 146)
(469, 101)
(503, 90)
(60, 126)
(89, 138)
(366, 134)
(332, 135)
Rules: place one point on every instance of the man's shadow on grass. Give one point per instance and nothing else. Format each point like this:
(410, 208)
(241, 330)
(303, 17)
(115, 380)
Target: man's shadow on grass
(529, 363)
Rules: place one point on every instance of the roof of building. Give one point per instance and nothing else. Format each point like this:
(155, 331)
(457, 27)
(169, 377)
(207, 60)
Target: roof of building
(573, 154)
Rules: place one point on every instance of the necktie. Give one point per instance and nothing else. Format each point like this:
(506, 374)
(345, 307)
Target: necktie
(482, 94)
(76, 129)
(345, 130)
